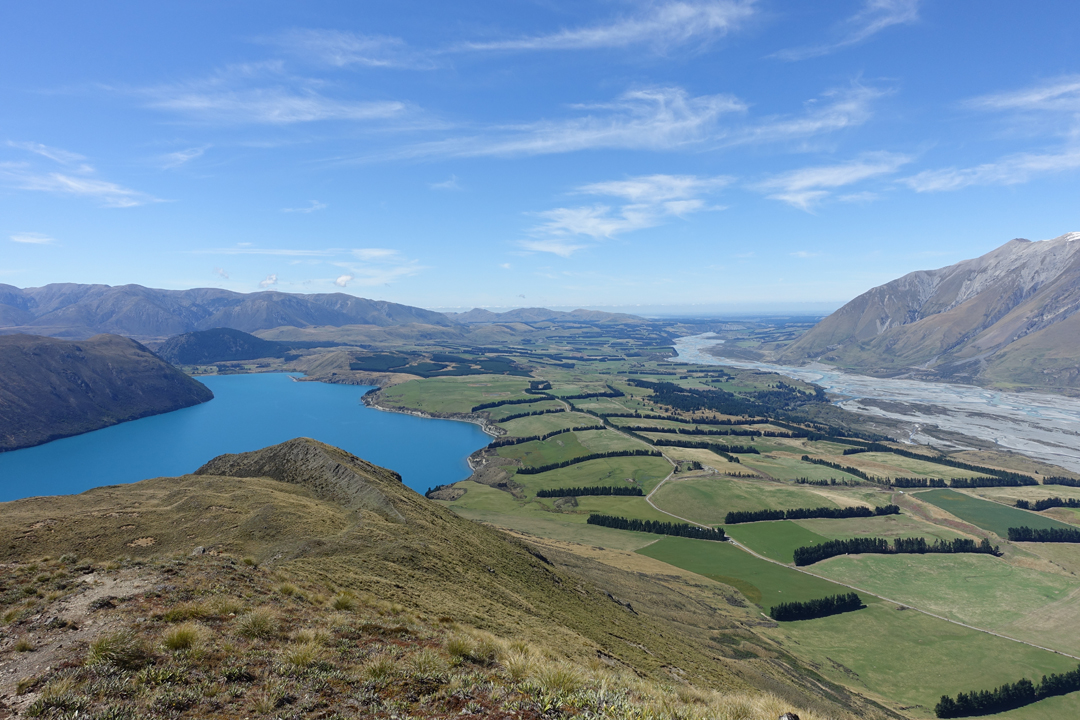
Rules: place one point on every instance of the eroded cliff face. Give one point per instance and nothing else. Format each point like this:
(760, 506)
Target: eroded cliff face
(53, 388)
(1006, 317)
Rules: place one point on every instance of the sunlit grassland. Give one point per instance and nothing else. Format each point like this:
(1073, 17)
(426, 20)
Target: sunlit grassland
(889, 465)
(497, 413)
(995, 517)
(887, 526)
(909, 660)
(980, 590)
(543, 424)
(707, 499)
(567, 446)
(776, 539)
(645, 472)
(789, 468)
(538, 516)
(707, 458)
(455, 394)
(762, 582)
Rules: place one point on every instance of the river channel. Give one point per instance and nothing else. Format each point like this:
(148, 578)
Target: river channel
(1044, 427)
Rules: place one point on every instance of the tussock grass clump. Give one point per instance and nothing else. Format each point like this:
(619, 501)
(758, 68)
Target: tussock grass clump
(259, 624)
(24, 644)
(381, 670)
(303, 654)
(182, 637)
(345, 602)
(288, 589)
(124, 650)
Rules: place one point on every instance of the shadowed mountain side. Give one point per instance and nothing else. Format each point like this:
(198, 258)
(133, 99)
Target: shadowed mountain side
(51, 388)
(1006, 316)
(77, 311)
(429, 559)
(217, 345)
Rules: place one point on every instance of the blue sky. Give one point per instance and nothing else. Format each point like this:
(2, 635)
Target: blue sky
(711, 154)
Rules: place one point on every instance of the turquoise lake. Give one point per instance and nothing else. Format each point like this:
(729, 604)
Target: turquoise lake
(248, 412)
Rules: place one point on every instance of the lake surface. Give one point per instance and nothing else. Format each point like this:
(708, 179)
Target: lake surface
(1044, 427)
(248, 412)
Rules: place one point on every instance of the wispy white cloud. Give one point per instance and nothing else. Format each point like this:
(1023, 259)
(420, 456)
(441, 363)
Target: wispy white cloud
(262, 93)
(1010, 170)
(107, 193)
(651, 200)
(562, 248)
(339, 48)
(343, 280)
(804, 187)
(354, 266)
(246, 249)
(662, 25)
(377, 266)
(31, 238)
(661, 118)
(645, 119)
(315, 206)
(64, 157)
(836, 110)
(803, 254)
(182, 157)
(77, 178)
(221, 273)
(270, 281)
(1060, 94)
(450, 183)
(875, 16)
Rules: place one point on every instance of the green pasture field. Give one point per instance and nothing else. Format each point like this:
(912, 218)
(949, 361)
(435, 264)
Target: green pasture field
(543, 424)
(887, 526)
(497, 413)
(980, 590)
(988, 515)
(608, 440)
(889, 465)
(602, 405)
(776, 540)
(567, 446)
(676, 424)
(908, 660)
(763, 583)
(707, 499)
(486, 504)
(645, 471)
(454, 394)
(706, 457)
(789, 468)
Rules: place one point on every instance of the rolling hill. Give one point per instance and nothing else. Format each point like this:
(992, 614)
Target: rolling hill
(1008, 317)
(319, 574)
(79, 311)
(218, 345)
(52, 388)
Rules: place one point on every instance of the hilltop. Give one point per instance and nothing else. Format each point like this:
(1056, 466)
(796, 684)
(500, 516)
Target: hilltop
(320, 583)
(53, 388)
(78, 311)
(1006, 317)
(218, 345)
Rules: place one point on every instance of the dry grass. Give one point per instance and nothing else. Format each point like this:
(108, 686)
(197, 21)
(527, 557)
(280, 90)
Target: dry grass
(182, 637)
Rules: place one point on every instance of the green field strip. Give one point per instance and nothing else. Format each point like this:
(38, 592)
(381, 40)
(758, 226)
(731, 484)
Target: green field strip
(645, 472)
(979, 590)
(497, 413)
(775, 540)
(707, 499)
(889, 465)
(455, 394)
(913, 659)
(887, 526)
(762, 582)
(790, 468)
(985, 514)
(543, 424)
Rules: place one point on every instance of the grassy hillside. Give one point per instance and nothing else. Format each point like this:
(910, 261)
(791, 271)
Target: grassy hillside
(329, 587)
(51, 388)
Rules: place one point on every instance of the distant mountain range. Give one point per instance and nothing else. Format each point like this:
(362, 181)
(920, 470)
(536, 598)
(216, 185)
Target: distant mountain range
(535, 315)
(53, 388)
(80, 311)
(1008, 317)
